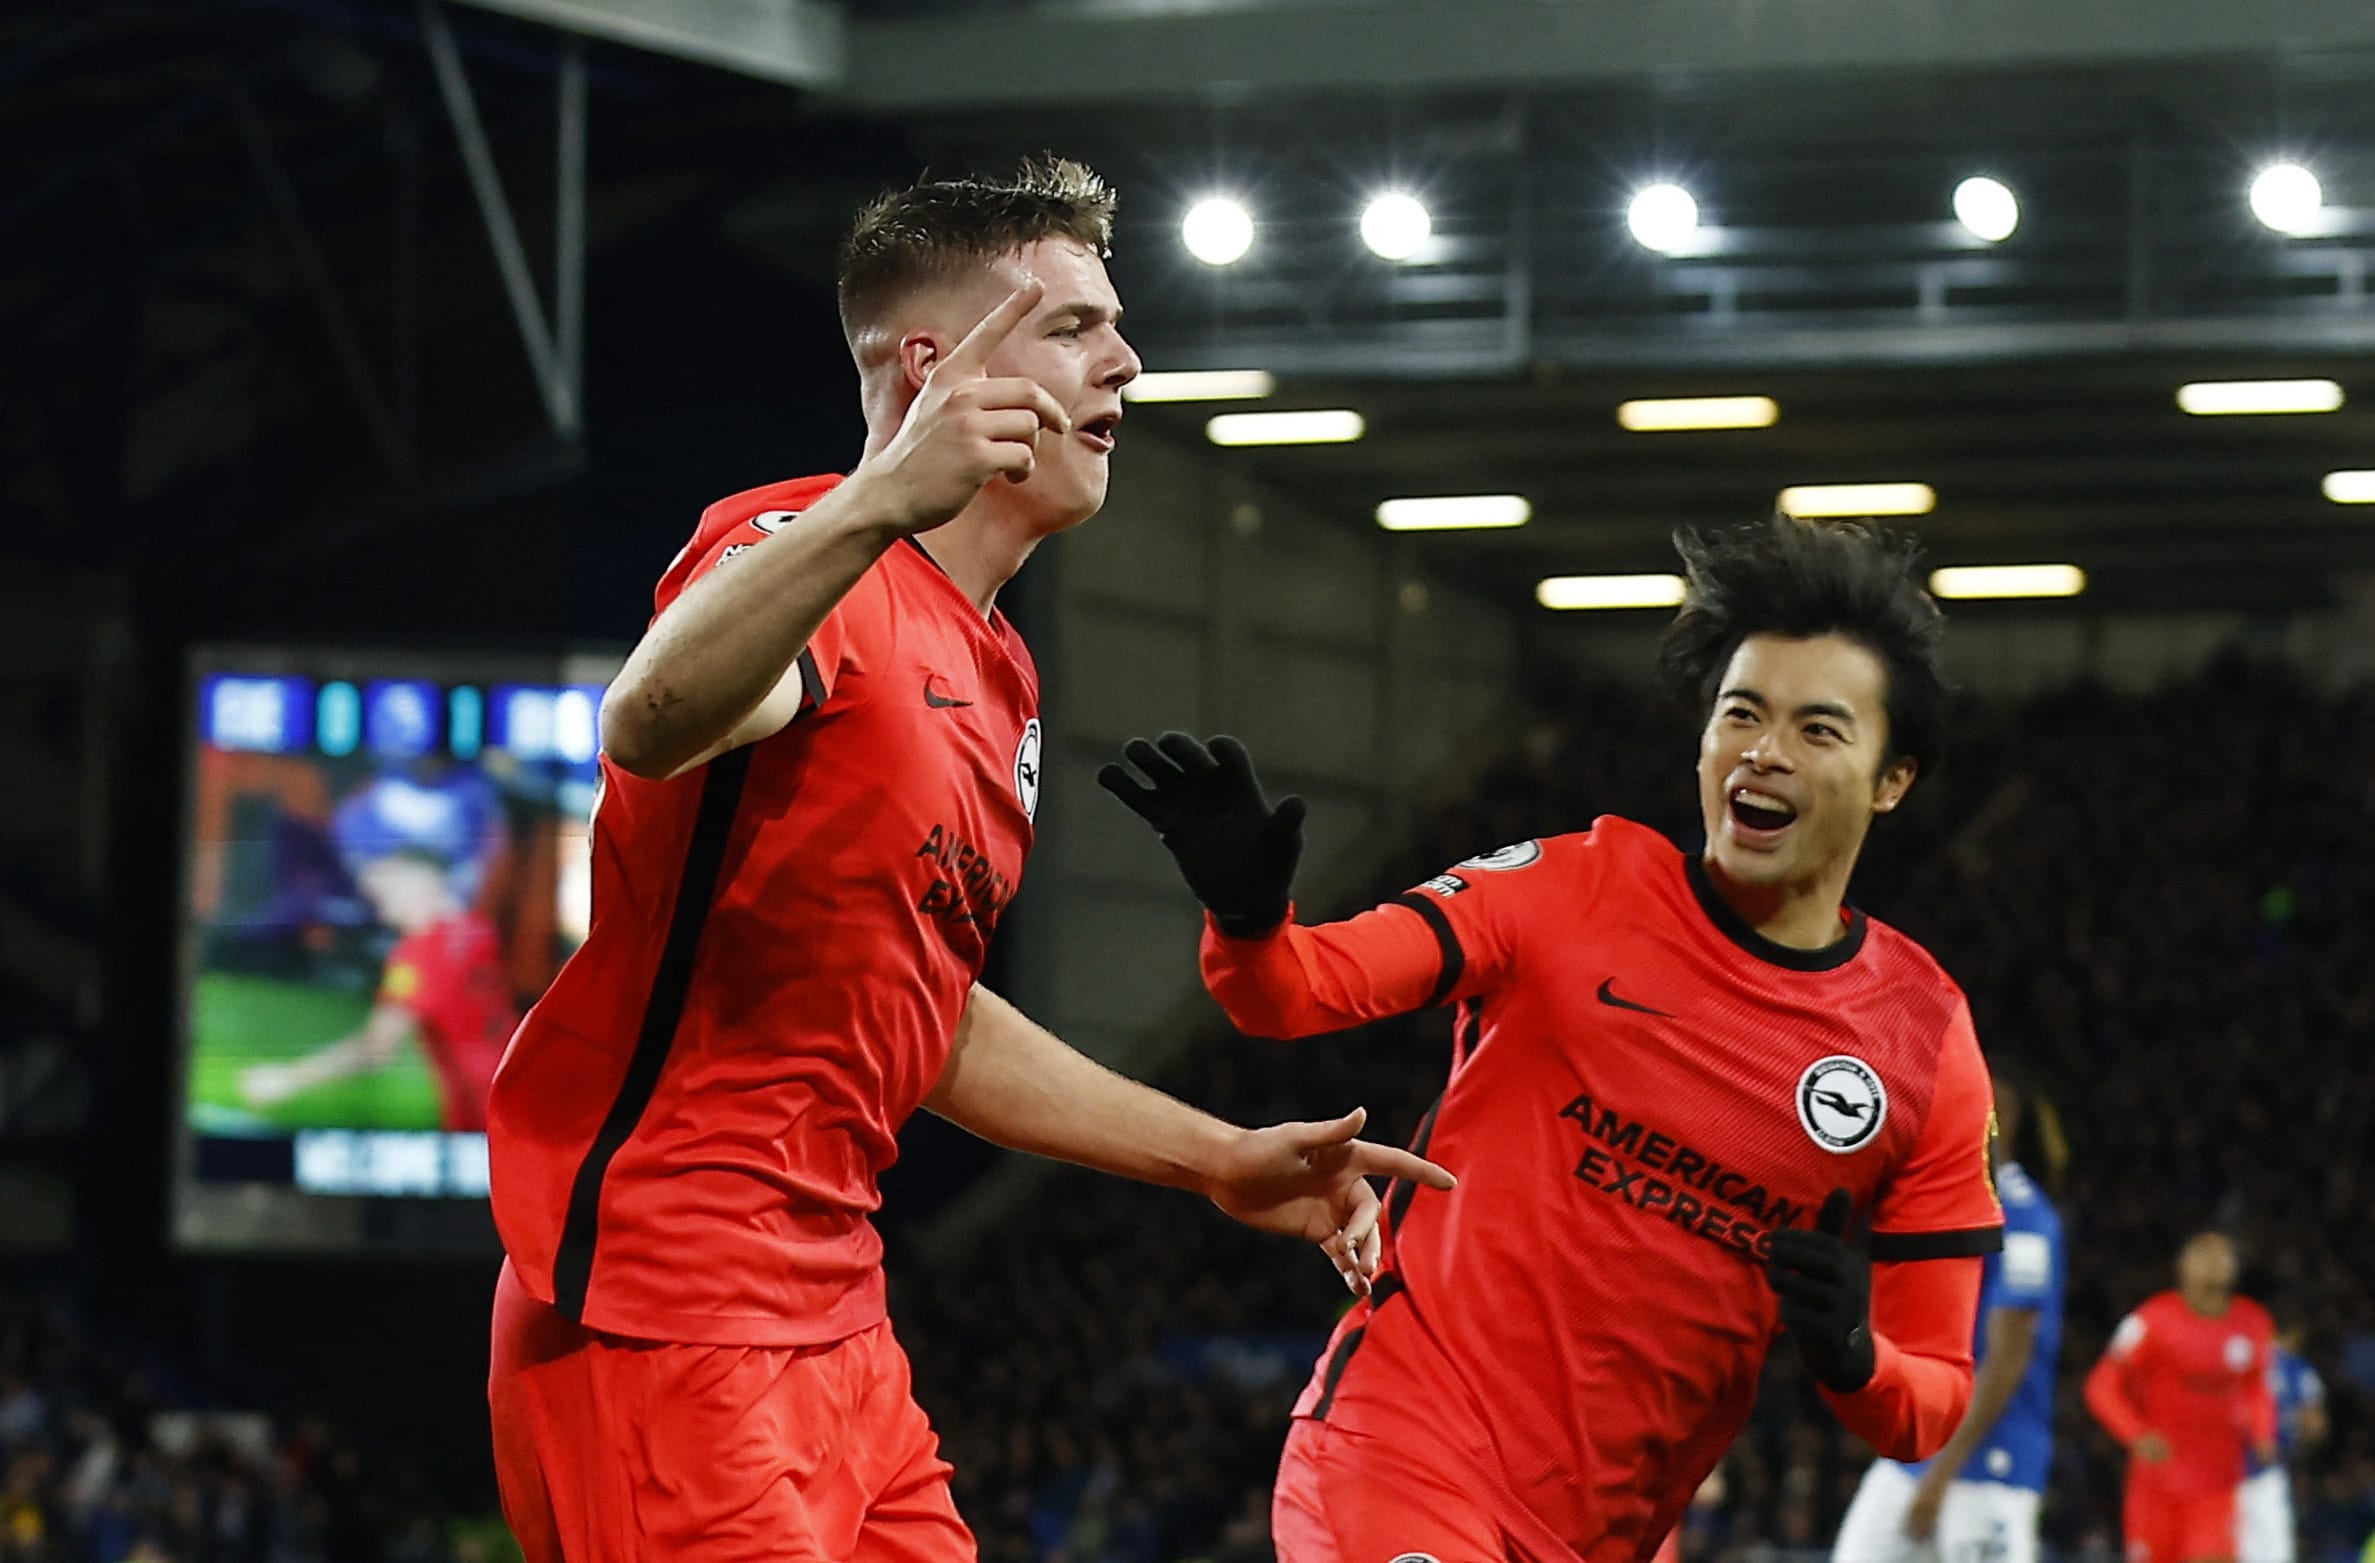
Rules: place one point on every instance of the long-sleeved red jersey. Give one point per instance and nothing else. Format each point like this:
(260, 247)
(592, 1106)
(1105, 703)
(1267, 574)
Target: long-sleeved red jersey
(1642, 1088)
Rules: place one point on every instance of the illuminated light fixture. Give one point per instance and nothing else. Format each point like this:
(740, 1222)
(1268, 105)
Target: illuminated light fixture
(1609, 591)
(2225, 398)
(1818, 501)
(1326, 426)
(1217, 231)
(1969, 581)
(1454, 512)
(1663, 217)
(1666, 414)
(1987, 208)
(1201, 385)
(1395, 226)
(2288, 198)
(2351, 488)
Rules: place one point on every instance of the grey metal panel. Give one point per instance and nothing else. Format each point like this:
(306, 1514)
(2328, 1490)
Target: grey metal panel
(1052, 55)
(799, 42)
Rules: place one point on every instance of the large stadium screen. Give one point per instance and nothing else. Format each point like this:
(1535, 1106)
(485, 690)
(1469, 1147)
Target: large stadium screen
(385, 865)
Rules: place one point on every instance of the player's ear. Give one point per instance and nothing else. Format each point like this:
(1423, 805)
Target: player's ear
(919, 350)
(1896, 779)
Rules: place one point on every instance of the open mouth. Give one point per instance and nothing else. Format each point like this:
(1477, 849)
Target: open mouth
(1100, 431)
(1761, 812)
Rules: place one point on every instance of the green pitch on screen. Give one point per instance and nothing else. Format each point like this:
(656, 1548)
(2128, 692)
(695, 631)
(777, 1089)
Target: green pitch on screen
(238, 1021)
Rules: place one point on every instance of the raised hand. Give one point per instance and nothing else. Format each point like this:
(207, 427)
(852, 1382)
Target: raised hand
(1310, 1180)
(1236, 851)
(1826, 1295)
(966, 428)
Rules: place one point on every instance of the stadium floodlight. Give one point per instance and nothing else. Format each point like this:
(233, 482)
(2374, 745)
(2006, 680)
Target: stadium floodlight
(1987, 207)
(1321, 426)
(1395, 226)
(1217, 231)
(1201, 385)
(1662, 415)
(2351, 488)
(1609, 591)
(2288, 198)
(2228, 398)
(1972, 581)
(1663, 217)
(1819, 501)
(1454, 512)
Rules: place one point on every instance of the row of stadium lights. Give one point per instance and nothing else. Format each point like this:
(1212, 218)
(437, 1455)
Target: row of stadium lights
(1395, 225)
(1806, 502)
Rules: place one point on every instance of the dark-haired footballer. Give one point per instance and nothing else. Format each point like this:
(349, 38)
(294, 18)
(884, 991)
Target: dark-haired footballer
(820, 769)
(1682, 1084)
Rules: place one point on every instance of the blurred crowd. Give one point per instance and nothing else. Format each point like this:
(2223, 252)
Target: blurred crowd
(2151, 903)
(103, 1460)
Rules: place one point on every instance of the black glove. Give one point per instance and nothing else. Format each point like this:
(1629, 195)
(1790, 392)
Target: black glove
(1236, 852)
(1826, 1296)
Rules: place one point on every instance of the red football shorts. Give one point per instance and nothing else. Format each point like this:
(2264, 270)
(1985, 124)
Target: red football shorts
(2164, 1527)
(1345, 1497)
(611, 1450)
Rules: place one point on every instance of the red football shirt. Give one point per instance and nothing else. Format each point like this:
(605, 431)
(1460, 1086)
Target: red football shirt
(2199, 1382)
(450, 976)
(688, 1128)
(1642, 1087)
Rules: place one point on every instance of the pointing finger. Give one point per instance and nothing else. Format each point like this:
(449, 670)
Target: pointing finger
(1385, 1161)
(972, 355)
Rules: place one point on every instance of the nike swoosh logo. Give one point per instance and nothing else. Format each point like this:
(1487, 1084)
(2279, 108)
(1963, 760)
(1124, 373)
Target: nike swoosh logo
(940, 702)
(1608, 996)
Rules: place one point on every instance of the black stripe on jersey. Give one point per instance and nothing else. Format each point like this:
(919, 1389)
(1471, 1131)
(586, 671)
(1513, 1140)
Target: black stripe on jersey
(1399, 1192)
(812, 681)
(1969, 1243)
(1389, 1286)
(1455, 960)
(704, 857)
(1336, 1365)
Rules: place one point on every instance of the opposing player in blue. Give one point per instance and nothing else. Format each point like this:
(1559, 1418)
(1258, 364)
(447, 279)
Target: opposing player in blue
(1977, 1498)
(2264, 1507)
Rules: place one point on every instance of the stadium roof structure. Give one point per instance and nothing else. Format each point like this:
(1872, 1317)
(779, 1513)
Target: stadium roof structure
(222, 209)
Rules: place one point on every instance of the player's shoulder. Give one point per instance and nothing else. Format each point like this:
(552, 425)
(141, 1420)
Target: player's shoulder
(1900, 958)
(2254, 1316)
(2022, 1198)
(1611, 846)
(767, 508)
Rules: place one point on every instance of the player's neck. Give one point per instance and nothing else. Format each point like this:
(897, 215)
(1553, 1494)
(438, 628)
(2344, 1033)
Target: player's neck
(2209, 1305)
(1801, 916)
(978, 554)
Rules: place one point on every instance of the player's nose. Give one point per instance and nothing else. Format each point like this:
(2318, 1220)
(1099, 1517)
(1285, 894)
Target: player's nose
(1125, 366)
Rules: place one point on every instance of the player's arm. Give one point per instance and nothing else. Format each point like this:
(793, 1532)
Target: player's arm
(372, 1048)
(2259, 1401)
(717, 667)
(2107, 1396)
(1889, 1345)
(2313, 1426)
(1923, 1313)
(2011, 1340)
(1017, 1084)
(1237, 853)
